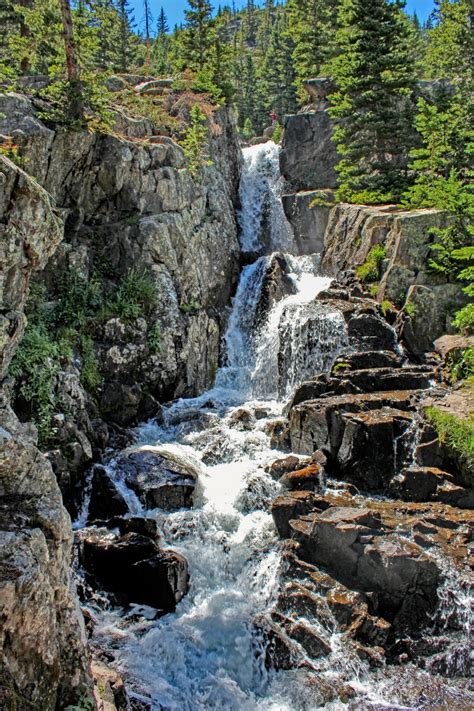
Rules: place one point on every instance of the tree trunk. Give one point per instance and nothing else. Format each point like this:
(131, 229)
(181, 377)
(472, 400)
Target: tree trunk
(76, 106)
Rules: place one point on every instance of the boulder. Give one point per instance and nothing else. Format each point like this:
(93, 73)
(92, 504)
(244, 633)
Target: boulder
(105, 499)
(308, 156)
(159, 478)
(133, 567)
(308, 221)
(308, 478)
(289, 506)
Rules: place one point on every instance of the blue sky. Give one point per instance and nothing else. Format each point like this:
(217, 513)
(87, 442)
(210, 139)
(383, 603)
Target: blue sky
(175, 8)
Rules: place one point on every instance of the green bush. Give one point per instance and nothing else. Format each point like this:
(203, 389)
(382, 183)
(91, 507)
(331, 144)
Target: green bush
(136, 296)
(464, 320)
(461, 364)
(35, 366)
(369, 271)
(154, 338)
(277, 133)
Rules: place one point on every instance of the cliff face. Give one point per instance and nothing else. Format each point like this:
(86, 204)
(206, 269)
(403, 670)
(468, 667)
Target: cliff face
(131, 207)
(95, 208)
(44, 660)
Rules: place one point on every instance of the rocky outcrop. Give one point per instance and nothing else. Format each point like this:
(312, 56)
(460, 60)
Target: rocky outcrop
(407, 237)
(308, 216)
(44, 661)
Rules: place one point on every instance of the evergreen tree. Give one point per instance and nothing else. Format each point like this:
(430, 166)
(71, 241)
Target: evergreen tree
(277, 74)
(372, 107)
(312, 28)
(450, 52)
(163, 26)
(197, 38)
(125, 39)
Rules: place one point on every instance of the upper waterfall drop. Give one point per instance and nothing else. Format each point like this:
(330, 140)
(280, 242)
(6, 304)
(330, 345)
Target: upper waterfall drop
(263, 224)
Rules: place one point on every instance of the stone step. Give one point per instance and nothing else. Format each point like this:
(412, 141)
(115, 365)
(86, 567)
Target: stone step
(344, 381)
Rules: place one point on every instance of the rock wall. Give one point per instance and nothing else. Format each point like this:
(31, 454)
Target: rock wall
(44, 661)
(126, 204)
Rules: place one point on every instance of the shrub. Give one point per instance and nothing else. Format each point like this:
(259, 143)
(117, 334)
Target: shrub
(136, 296)
(35, 366)
(369, 271)
(464, 320)
(277, 133)
(154, 338)
(461, 364)
(456, 433)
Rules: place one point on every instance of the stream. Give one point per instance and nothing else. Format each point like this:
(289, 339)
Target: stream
(208, 654)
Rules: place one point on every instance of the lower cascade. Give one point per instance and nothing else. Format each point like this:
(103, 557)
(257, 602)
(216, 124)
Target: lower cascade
(254, 623)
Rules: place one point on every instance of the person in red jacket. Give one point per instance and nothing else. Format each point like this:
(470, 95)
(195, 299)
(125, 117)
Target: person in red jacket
(274, 117)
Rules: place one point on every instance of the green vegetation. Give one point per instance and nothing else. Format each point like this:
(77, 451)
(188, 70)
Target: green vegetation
(464, 320)
(372, 105)
(455, 433)
(410, 309)
(369, 271)
(461, 365)
(340, 367)
(59, 329)
(386, 307)
(195, 141)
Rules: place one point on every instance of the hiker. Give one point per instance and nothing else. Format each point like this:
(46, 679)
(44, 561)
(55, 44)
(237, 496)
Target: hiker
(274, 118)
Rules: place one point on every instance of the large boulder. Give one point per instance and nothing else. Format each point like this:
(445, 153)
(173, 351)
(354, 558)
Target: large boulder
(308, 157)
(308, 220)
(160, 478)
(134, 568)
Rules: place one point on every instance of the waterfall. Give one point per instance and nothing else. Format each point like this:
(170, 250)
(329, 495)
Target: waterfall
(262, 221)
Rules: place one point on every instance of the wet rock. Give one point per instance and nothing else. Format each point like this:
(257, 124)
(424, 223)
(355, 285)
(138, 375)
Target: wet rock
(308, 222)
(159, 478)
(282, 466)
(289, 506)
(355, 547)
(419, 483)
(277, 283)
(305, 635)
(280, 652)
(106, 500)
(369, 359)
(452, 344)
(372, 333)
(147, 527)
(134, 568)
(308, 478)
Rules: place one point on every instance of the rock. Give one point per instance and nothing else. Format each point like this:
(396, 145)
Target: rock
(353, 230)
(109, 689)
(276, 284)
(372, 332)
(369, 359)
(147, 527)
(452, 344)
(134, 568)
(308, 478)
(105, 499)
(44, 657)
(283, 466)
(289, 506)
(320, 424)
(308, 157)
(280, 652)
(354, 546)
(319, 89)
(160, 479)
(420, 319)
(308, 221)
(419, 483)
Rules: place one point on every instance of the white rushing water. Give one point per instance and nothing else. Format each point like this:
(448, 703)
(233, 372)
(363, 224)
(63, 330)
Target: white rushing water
(207, 655)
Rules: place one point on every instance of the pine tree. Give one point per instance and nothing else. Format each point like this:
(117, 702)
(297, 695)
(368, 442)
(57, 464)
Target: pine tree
(277, 74)
(450, 52)
(163, 26)
(148, 23)
(372, 107)
(125, 43)
(312, 27)
(197, 37)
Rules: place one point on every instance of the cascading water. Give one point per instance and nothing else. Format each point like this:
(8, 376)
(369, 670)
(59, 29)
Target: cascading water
(208, 654)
